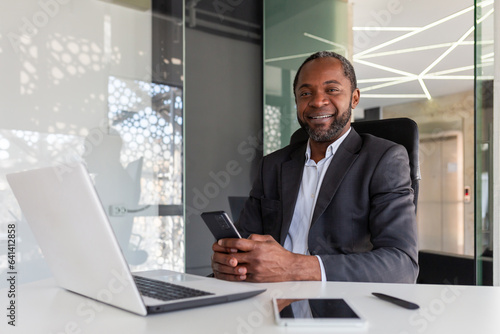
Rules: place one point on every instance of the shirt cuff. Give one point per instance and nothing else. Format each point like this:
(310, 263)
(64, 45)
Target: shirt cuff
(323, 273)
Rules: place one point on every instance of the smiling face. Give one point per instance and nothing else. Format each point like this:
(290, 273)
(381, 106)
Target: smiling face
(324, 99)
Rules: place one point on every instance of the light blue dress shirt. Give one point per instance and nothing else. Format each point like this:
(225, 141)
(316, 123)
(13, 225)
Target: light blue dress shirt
(312, 178)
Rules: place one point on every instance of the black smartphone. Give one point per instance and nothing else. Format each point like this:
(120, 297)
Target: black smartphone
(220, 225)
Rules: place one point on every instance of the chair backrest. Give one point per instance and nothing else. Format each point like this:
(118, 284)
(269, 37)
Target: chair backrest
(403, 131)
(236, 204)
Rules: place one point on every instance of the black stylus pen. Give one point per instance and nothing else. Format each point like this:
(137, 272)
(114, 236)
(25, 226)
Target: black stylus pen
(397, 301)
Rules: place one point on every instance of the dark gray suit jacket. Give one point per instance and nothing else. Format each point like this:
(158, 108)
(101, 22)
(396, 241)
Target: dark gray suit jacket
(363, 226)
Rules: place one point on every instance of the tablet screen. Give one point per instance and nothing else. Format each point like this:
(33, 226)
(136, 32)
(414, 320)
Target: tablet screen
(317, 311)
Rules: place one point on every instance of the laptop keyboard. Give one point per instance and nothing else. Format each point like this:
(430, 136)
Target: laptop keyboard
(164, 290)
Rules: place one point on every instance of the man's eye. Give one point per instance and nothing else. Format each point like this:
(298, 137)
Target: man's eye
(305, 94)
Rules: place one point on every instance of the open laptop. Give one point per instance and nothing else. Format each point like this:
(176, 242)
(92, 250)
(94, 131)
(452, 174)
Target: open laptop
(67, 218)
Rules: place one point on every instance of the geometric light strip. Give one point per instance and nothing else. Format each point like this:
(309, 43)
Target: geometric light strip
(410, 50)
(447, 52)
(390, 83)
(301, 55)
(385, 28)
(439, 59)
(425, 74)
(384, 68)
(405, 76)
(321, 39)
(424, 28)
(424, 88)
(384, 79)
(393, 96)
(488, 55)
(425, 77)
(453, 70)
(415, 49)
(409, 76)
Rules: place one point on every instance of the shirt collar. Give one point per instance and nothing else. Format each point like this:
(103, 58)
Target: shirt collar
(332, 148)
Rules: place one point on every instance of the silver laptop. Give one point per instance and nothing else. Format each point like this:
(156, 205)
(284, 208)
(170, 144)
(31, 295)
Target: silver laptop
(67, 218)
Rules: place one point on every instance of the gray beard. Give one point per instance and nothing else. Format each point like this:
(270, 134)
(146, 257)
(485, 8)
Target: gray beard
(335, 129)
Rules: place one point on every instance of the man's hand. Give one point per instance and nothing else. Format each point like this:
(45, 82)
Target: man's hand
(261, 259)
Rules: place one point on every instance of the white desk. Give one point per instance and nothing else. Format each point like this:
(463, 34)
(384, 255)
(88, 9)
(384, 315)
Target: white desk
(43, 308)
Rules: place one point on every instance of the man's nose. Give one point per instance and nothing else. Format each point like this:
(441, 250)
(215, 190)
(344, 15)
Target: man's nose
(318, 100)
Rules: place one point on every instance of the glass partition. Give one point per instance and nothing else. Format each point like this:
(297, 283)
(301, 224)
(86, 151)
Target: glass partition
(416, 63)
(98, 82)
(294, 29)
(421, 66)
(484, 145)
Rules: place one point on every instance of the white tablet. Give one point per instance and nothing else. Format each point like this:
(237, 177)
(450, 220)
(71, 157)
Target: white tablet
(316, 312)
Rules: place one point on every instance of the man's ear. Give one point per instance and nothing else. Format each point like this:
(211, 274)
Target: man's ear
(355, 98)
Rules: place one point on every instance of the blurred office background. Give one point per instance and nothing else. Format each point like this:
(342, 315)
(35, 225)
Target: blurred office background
(172, 103)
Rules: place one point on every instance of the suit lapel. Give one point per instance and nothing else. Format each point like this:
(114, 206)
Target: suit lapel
(291, 176)
(341, 162)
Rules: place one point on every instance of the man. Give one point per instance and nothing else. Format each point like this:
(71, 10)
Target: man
(339, 208)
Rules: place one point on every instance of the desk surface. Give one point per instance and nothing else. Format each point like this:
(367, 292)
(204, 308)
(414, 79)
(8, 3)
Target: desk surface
(42, 307)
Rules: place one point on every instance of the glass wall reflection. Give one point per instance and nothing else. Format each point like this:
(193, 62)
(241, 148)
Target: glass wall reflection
(410, 62)
(99, 83)
(423, 68)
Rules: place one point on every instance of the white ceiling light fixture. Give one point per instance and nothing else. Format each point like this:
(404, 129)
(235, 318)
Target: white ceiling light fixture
(373, 80)
(394, 96)
(390, 83)
(340, 46)
(385, 28)
(420, 30)
(424, 88)
(384, 68)
(410, 50)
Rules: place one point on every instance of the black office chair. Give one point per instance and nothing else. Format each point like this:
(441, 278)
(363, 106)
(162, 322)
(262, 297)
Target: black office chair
(236, 204)
(403, 131)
